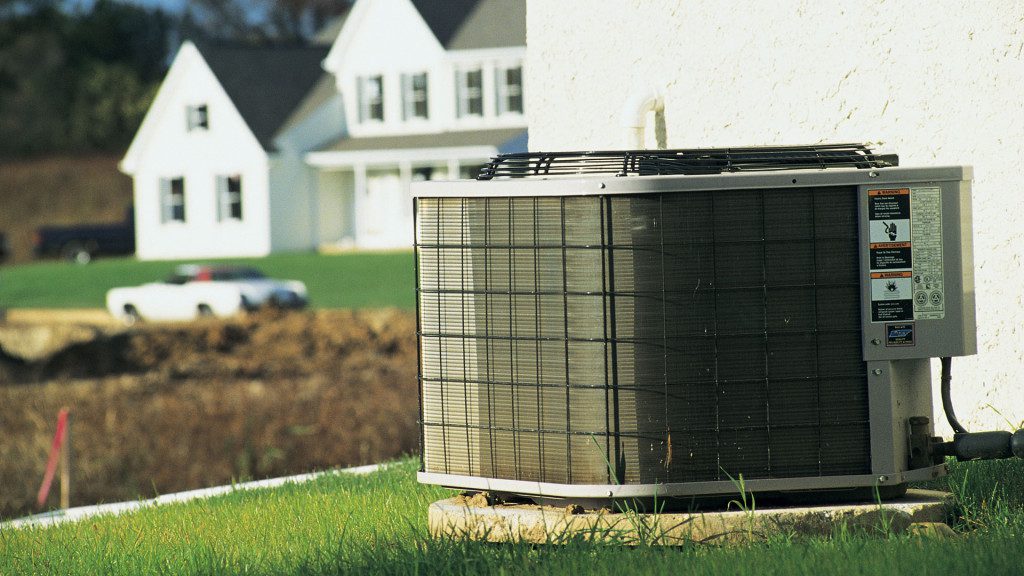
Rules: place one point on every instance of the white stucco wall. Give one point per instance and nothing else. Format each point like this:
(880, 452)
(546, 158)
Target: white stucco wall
(164, 148)
(937, 82)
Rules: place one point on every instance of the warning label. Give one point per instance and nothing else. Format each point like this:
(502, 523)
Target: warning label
(892, 204)
(905, 236)
(889, 228)
(888, 255)
(891, 296)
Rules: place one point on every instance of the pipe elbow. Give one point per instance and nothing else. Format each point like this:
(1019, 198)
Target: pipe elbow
(638, 104)
(633, 117)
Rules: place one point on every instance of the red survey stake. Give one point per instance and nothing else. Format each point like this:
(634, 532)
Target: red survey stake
(51, 464)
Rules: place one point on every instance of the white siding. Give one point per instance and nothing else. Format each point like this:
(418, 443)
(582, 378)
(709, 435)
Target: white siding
(293, 213)
(164, 148)
(336, 209)
(936, 82)
(325, 124)
(389, 38)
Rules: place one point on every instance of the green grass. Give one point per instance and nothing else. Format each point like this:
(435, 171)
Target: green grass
(352, 280)
(377, 524)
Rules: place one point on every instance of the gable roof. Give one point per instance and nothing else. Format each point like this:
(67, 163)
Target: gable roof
(445, 17)
(491, 24)
(468, 24)
(265, 83)
(326, 35)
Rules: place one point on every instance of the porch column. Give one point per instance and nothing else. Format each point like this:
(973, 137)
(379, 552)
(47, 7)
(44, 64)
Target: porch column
(359, 193)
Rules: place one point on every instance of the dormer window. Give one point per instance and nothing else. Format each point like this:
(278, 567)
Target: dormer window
(197, 117)
(371, 98)
(414, 96)
(509, 90)
(469, 86)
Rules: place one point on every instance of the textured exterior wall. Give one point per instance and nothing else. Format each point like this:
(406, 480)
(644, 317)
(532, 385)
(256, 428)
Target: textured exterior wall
(936, 82)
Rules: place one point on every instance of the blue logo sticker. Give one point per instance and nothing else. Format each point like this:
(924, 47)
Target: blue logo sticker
(899, 334)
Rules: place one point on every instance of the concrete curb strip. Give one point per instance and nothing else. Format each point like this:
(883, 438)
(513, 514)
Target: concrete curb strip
(116, 508)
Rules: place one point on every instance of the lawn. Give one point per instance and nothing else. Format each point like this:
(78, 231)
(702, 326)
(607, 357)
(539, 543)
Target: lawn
(351, 280)
(377, 524)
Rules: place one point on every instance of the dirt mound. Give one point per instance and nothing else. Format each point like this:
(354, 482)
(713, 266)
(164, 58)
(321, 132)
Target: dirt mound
(266, 345)
(162, 408)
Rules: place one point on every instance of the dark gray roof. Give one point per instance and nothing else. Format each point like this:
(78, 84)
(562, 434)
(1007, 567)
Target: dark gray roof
(505, 139)
(462, 24)
(492, 24)
(329, 33)
(266, 84)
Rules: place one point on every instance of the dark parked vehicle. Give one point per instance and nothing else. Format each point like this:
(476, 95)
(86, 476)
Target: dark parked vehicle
(82, 243)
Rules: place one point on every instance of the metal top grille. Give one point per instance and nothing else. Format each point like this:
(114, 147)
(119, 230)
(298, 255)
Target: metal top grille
(685, 161)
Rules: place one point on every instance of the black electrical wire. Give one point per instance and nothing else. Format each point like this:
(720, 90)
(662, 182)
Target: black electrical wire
(947, 401)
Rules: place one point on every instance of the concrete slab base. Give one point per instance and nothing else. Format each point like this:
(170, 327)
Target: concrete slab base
(464, 517)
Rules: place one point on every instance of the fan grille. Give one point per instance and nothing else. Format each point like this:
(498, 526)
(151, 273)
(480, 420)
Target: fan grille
(638, 339)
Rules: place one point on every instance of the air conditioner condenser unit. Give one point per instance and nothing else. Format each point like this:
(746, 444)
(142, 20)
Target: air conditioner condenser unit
(601, 326)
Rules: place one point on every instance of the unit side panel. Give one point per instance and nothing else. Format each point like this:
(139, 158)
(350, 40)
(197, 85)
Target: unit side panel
(917, 273)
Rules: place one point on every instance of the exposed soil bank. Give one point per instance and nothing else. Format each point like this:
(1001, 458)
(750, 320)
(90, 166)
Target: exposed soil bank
(163, 408)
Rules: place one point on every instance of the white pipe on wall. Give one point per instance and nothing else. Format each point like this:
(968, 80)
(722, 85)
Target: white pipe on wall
(633, 118)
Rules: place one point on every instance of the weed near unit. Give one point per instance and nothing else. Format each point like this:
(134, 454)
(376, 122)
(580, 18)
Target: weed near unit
(377, 524)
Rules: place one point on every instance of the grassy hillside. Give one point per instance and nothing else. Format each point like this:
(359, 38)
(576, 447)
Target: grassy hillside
(377, 524)
(352, 280)
(59, 190)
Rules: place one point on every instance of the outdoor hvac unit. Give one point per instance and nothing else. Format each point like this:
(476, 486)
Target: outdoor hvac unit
(619, 325)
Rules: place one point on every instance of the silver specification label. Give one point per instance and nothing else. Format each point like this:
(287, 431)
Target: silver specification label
(926, 240)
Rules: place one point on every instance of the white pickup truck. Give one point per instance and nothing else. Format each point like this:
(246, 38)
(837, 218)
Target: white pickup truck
(195, 291)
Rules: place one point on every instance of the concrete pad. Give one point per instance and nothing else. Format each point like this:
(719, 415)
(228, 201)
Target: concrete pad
(471, 518)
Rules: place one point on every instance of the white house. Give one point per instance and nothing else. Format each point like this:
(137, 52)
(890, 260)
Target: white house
(936, 82)
(247, 151)
(431, 89)
(215, 164)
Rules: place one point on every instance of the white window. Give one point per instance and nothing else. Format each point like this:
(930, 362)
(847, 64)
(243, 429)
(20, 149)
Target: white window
(229, 197)
(414, 96)
(197, 117)
(470, 93)
(371, 98)
(172, 199)
(509, 90)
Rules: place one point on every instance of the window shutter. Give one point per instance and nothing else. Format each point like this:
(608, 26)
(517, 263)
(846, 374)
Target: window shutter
(222, 198)
(406, 97)
(165, 200)
(361, 103)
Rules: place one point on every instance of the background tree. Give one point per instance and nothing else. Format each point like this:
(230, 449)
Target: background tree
(76, 82)
(261, 21)
(82, 80)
